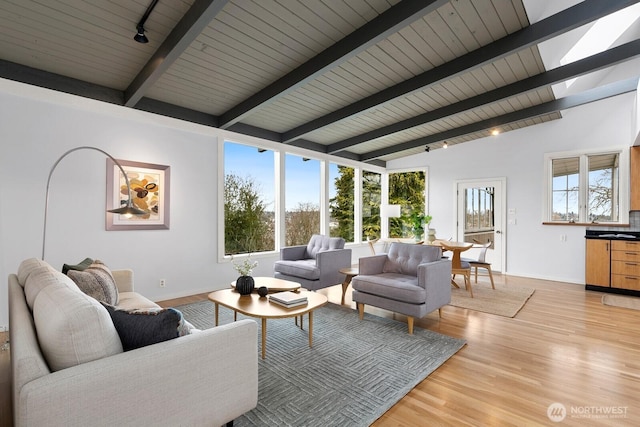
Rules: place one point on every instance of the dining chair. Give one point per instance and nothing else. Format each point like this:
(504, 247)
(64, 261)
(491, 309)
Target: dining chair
(481, 262)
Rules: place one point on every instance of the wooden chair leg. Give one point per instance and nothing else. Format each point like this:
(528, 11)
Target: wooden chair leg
(476, 274)
(467, 283)
(491, 277)
(410, 323)
(360, 310)
(440, 312)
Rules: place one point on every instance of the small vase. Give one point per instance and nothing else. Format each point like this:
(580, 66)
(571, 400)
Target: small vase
(245, 285)
(431, 236)
(263, 291)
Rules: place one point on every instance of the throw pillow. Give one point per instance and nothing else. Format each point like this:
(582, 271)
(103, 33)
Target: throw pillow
(142, 327)
(97, 282)
(81, 266)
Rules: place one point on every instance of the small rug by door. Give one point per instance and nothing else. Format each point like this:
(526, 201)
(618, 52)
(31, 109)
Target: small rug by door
(356, 370)
(621, 301)
(499, 301)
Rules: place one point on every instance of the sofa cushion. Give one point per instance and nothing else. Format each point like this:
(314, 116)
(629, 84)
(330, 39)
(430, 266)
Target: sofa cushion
(404, 258)
(305, 268)
(319, 243)
(42, 277)
(73, 328)
(27, 267)
(142, 327)
(97, 282)
(394, 286)
(81, 266)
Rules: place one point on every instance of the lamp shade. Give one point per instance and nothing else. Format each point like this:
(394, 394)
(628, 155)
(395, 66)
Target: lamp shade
(391, 211)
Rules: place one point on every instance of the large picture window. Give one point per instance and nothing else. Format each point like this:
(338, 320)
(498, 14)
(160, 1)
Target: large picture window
(341, 202)
(249, 199)
(302, 199)
(587, 187)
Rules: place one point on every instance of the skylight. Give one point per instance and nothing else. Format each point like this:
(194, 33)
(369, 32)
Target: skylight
(601, 35)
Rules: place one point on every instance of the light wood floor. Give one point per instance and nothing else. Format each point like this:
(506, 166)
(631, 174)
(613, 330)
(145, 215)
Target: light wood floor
(564, 346)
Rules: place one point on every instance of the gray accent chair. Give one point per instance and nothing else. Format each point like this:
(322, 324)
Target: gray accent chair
(315, 265)
(410, 279)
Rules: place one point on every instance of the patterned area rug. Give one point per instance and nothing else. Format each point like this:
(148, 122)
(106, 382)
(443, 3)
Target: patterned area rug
(354, 373)
(621, 301)
(500, 301)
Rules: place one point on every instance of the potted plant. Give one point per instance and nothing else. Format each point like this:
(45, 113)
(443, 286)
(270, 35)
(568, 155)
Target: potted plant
(418, 223)
(245, 283)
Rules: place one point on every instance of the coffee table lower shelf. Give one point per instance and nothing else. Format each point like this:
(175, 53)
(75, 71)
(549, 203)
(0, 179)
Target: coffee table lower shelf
(255, 306)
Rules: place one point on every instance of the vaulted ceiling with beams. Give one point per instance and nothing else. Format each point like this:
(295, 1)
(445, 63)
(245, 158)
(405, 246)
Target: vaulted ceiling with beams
(368, 80)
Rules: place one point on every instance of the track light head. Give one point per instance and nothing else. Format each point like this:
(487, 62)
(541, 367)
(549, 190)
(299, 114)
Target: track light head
(426, 148)
(140, 37)
(445, 145)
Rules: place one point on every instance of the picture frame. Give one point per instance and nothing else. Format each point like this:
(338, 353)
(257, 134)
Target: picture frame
(150, 191)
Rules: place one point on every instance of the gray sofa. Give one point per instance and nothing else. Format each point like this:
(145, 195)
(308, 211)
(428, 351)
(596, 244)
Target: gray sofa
(68, 367)
(411, 279)
(315, 265)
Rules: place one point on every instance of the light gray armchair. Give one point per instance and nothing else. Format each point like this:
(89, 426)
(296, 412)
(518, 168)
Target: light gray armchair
(410, 279)
(316, 265)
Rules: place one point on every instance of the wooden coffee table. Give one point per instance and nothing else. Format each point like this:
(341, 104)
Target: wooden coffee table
(255, 306)
(273, 284)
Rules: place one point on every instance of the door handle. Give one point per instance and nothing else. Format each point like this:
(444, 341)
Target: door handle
(498, 232)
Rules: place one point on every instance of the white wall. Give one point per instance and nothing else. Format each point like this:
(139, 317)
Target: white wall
(38, 125)
(532, 249)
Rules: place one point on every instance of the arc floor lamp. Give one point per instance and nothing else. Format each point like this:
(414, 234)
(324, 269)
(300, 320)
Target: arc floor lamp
(128, 209)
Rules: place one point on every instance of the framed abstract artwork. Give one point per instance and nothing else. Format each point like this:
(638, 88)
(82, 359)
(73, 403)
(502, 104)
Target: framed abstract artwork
(149, 191)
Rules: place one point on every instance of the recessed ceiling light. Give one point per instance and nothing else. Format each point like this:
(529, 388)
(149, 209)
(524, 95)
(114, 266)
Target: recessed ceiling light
(495, 132)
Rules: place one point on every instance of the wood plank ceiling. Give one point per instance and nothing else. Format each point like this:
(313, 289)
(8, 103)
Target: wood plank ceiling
(370, 80)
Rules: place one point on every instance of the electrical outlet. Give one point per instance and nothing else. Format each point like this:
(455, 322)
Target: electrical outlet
(162, 283)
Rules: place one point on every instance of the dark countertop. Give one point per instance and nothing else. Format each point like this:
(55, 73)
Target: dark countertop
(612, 235)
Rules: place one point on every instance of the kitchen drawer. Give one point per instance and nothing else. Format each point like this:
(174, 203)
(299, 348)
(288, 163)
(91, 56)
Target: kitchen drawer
(624, 245)
(625, 268)
(623, 281)
(625, 256)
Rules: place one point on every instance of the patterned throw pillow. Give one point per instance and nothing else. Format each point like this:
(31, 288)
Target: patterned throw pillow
(97, 282)
(142, 327)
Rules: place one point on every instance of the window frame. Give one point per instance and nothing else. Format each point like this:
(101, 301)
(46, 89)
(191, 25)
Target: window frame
(280, 153)
(583, 185)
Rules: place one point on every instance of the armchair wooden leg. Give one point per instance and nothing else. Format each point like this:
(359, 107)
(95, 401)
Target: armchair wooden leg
(440, 312)
(410, 323)
(360, 310)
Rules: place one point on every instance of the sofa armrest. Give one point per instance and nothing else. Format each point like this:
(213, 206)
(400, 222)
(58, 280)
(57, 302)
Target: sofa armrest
(206, 378)
(330, 262)
(435, 278)
(372, 264)
(293, 253)
(124, 280)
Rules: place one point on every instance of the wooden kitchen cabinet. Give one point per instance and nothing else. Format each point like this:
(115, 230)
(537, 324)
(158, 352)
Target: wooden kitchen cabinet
(635, 179)
(598, 262)
(625, 265)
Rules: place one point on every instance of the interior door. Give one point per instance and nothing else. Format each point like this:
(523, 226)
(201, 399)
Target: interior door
(480, 206)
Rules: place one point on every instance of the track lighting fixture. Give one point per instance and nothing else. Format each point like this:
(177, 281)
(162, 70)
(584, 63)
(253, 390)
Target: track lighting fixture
(445, 145)
(426, 148)
(140, 37)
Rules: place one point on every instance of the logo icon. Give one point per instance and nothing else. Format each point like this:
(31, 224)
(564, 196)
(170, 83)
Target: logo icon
(556, 412)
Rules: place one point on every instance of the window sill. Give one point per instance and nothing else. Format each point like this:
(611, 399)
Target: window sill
(587, 224)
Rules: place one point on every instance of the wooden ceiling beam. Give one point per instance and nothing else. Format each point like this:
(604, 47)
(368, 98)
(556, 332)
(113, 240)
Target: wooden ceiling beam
(381, 27)
(566, 20)
(197, 18)
(597, 94)
(579, 68)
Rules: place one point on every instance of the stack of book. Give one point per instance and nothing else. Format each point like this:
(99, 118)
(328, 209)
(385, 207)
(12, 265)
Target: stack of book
(288, 299)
